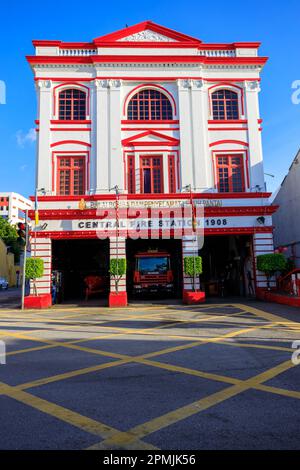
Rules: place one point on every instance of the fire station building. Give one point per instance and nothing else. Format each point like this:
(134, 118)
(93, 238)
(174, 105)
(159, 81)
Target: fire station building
(147, 119)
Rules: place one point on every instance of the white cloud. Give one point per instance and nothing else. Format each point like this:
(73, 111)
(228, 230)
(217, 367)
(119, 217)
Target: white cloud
(25, 137)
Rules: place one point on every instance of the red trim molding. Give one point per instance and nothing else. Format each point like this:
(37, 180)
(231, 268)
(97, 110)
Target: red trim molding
(65, 214)
(237, 142)
(64, 142)
(75, 234)
(152, 59)
(165, 196)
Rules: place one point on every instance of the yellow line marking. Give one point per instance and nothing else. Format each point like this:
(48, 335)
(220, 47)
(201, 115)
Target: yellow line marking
(279, 391)
(68, 375)
(184, 412)
(138, 359)
(26, 336)
(269, 316)
(121, 332)
(129, 438)
(68, 416)
(256, 346)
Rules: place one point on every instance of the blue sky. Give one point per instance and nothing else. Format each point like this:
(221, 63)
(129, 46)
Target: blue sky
(275, 24)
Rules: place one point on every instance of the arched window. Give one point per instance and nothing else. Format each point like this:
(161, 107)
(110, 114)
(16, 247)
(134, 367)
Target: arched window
(72, 105)
(149, 105)
(225, 105)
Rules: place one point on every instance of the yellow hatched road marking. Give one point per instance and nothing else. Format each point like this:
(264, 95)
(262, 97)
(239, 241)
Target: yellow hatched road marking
(64, 414)
(270, 316)
(156, 424)
(120, 332)
(138, 359)
(131, 439)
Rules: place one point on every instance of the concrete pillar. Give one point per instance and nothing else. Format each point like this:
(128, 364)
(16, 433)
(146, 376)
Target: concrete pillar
(117, 249)
(262, 245)
(189, 248)
(42, 248)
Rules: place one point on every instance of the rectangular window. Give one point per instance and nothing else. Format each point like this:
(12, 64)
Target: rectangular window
(131, 174)
(230, 173)
(172, 174)
(70, 176)
(151, 174)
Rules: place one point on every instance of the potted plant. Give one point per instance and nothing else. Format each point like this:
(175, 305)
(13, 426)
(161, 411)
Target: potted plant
(193, 268)
(117, 269)
(271, 263)
(33, 270)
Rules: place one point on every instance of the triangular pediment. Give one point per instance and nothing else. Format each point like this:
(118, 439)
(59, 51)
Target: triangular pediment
(150, 138)
(147, 36)
(146, 32)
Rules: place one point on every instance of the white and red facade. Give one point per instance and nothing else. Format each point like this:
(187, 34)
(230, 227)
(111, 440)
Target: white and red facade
(152, 111)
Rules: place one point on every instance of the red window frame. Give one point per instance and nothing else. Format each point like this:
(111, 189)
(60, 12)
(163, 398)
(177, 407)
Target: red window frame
(149, 105)
(4, 201)
(225, 105)
(152, 163)
(71, 175)
(230, 173)
(172, 174)
(72, 104)
(131, 174)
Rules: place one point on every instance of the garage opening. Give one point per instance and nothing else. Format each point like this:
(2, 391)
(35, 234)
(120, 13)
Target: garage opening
(228, 266)
(80, 269)
(154, 269)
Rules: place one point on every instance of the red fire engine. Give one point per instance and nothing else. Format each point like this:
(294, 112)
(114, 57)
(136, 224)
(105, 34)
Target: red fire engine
(153, 273)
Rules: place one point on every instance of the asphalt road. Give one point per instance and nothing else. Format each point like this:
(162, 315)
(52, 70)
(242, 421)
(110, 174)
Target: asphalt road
(216, 376)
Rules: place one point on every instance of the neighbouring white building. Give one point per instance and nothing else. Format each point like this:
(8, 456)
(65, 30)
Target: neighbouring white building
(155, 113)
(286, 219)
(13, 207)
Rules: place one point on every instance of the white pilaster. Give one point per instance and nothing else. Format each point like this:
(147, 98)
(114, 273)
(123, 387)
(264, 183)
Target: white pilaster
(93, 154)
(201, 166)
(102, 136)
(186, 146)
(115, 167)
(254, 136)
(43, 169)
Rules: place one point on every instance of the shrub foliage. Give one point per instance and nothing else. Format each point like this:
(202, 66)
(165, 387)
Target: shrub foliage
(192, 266)
(271, 263)
(117, 268)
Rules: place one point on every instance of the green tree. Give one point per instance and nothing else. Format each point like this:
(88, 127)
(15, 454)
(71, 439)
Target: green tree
(117, 269)
(270, 264)
(8, 232)
(192, 267)
(9, 235)
(33, 270)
